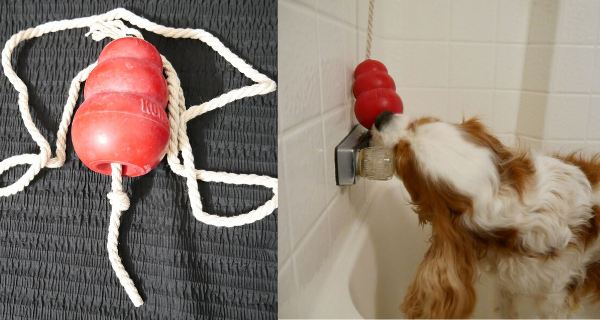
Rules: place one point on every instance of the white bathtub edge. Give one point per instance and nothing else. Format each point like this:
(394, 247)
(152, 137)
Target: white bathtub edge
(329, 289)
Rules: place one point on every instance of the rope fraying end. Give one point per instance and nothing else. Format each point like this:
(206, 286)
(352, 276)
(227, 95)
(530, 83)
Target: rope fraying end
(115, 29)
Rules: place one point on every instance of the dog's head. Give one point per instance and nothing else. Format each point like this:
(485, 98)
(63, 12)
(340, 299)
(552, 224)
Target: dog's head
(446, 166)
(448, 170)
(443, 166)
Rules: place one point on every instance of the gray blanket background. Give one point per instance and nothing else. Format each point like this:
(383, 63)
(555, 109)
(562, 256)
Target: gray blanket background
(53, 259)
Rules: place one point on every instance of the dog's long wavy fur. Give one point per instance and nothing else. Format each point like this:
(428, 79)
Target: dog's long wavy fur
(532, 219)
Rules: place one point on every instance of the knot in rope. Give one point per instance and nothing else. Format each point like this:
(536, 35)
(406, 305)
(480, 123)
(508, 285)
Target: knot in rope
(119, 200)
(112, 29)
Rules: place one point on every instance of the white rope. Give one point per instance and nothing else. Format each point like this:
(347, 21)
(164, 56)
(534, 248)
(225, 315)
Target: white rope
(120, 202)
(370, 29)
(112, 29)
(109, 25)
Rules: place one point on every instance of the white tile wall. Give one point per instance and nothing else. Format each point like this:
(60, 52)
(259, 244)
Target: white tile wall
(383, 30)
(284, 244)
(532, 114)
(336, 125)
(299, 83)
(340, 213)
(567, 116)
(312, 251)
(596, 81)
(538, 67)
(424, 19)
(472, 65)
(510, 60)
(513, 20)
(415, 64)
(592, 146)
(531, 143)
(489, 50)
(564, 72)
(286, 284)
(562, 146)
(579, 22)
(308, 3)
(448, 58)
(505, 111)
(529, 67)
(332, 63)
(378, 48)
(574, 68)
(474, 20)
(571, 112)
(507, 138)
(350, 59)
(305, 172)
(339, 9)
(471, 103)
(318, 46)
(420, 102)
(593, 124)
(543, 21)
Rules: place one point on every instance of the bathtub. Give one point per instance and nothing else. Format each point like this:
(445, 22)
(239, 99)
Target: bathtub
(376, 261)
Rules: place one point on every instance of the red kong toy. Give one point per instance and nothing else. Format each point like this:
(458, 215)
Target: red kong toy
(375, 92)
(123, 118)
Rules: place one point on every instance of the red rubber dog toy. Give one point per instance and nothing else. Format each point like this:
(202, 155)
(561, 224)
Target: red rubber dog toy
(123, 118)
(375, 92)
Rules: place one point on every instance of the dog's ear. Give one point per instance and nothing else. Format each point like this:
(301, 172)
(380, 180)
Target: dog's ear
(444, 284)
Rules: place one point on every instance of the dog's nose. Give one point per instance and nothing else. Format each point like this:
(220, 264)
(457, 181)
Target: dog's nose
(382, 119)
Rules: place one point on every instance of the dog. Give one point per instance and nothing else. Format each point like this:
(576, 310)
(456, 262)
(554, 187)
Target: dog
(532, 220)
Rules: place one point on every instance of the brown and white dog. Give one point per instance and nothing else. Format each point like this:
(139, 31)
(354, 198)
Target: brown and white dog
(531, 219)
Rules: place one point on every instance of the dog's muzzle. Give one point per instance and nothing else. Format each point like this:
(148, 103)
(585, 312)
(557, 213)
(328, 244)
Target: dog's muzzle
(382, 119)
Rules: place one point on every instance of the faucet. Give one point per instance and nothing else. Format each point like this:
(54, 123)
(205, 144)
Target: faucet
(355, 158)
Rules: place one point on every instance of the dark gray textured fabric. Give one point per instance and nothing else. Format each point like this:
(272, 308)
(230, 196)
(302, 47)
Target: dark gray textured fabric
(53, 261)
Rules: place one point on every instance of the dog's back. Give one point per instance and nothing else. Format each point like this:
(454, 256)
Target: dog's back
(590, 167)
(590, 287)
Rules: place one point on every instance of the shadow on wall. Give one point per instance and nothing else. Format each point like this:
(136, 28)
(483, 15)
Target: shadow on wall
(537, 70)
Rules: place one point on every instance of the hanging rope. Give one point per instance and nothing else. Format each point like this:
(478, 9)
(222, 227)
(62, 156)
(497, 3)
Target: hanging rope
(370, 29)
(120, 202)
(109, 25)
